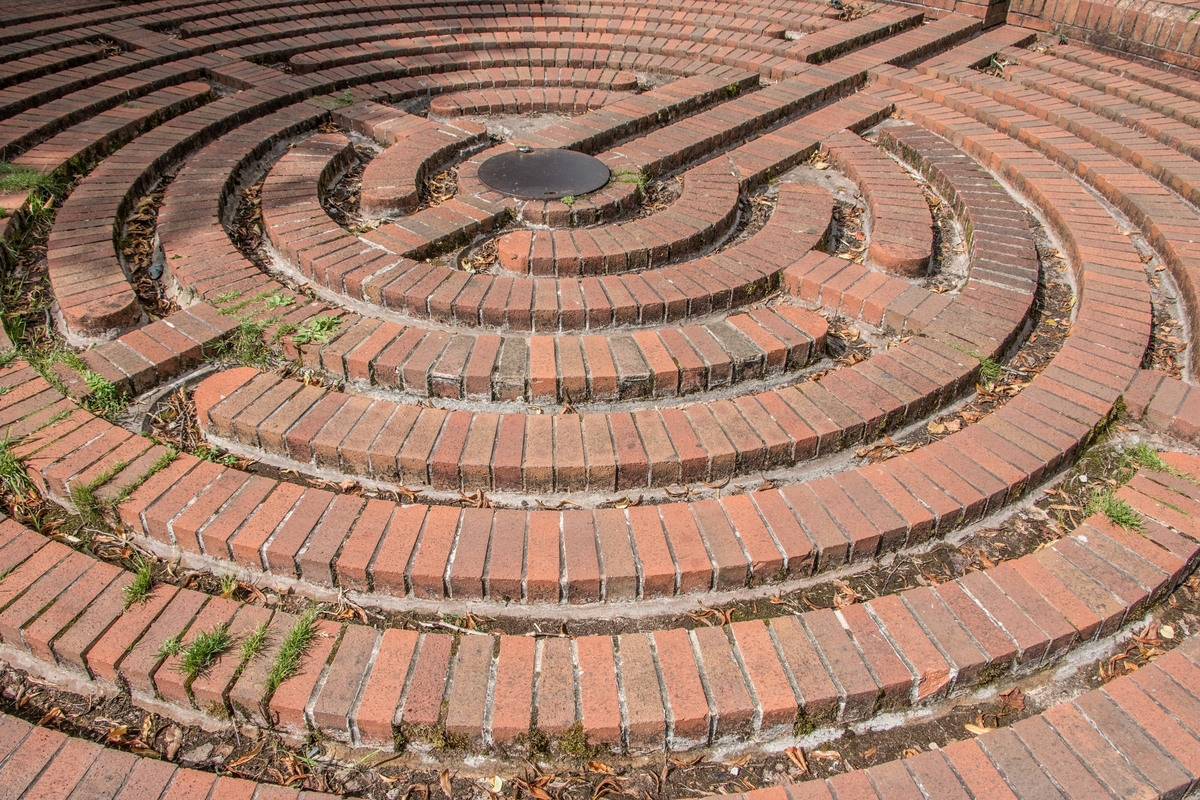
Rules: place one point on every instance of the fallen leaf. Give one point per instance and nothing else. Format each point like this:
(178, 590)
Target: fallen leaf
(1014, 698)
(240, 760)
(172, 742)
(1166, 632)
(444, 782)
(976, 729)
(796, 756)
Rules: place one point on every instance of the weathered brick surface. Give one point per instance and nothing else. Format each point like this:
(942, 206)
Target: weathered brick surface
(643, 311)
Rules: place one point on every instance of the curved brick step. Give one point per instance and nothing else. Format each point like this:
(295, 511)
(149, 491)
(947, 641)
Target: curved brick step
(904, 46)
(82, 142)
(554, 100)
(663, 363)
(1136, 735)
(1138, 729)
(1173, 82)
(19, 132)
(345, 48)
(1170, 129)
(1137, 195)
(804, 16)
(34, 66)
(154, 354)
(901, 236)
(351, 46)
(1165, 404)
(40, 762)
(392, 180)
(304, 235)
(88, 279)
(1181, 101)
(1036, 431)
(887, 654)
(1161, 162)
(705, 211)
(78, 450)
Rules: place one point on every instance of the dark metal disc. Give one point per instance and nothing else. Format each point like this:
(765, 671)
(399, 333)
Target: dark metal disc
(543, 174)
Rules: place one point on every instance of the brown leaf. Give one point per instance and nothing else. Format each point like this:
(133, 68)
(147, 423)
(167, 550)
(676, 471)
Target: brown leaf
(447, 787)
(50, 716)
(1014, 698)
(240, 760)
(796, 756)
(172, 742)
(597, 766)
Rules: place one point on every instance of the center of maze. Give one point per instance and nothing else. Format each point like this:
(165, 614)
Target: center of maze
(543, 174)
(548, 390)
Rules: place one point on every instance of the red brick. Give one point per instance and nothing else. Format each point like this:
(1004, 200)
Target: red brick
(513, 697)
(383, 687)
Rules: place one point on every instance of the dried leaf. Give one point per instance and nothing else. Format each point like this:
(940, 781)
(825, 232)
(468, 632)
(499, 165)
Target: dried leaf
(444, 782)
(172, 741)
(253, 754)
(1014, 698)
(796, 756)
(976, 729)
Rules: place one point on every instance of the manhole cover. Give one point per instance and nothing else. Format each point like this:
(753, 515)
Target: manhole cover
(543, 174)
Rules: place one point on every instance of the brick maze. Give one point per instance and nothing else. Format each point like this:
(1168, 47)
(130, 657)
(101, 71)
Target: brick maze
(763, 358)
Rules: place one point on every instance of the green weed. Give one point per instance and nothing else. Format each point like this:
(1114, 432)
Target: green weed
(640, 177)
(171, 647)
(292, 649)
(143, 582)
(17, 178)
(12, 471)
(1118, 511)
(1146, 456)
(246, 346)
(342, 100)
(199, 655)
(989, 371)
(316, 329)
(254, 644)
(278, 301)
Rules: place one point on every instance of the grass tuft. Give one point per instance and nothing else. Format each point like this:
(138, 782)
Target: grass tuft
(202, 652)
(12, 471)
(989, 371)
(171, 647)
(254, 644)
(143, 582)
(246, 347)
(1146, 456)
(292, 649)
(317, 329)
(18, 178)
(1118, 511)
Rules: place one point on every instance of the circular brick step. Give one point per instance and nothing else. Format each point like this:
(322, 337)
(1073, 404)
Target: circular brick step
(655, 316)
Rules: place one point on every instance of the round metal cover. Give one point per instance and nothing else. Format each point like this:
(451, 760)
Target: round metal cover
(543, 174)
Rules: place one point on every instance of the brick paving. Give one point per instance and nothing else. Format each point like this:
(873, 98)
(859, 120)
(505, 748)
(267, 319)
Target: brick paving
(656, 397)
